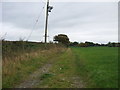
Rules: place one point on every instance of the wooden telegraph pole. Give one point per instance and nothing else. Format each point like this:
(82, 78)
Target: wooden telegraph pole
(48, 9)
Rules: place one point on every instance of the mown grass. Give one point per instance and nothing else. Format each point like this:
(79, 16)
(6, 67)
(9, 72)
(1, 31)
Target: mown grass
(98, 66)
(91, 67)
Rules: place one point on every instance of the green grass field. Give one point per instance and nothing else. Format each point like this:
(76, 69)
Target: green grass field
(91, 67)
(75, 67)
(98, 66)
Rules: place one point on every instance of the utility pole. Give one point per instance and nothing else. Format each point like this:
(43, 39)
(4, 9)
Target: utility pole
(48, 9)
(46, 23)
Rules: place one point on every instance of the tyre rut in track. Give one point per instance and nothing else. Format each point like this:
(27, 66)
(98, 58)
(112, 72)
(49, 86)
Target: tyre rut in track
(34, 79)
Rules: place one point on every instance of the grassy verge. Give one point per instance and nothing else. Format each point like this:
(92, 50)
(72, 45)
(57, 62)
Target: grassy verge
(16, 71)
(98, 66)
(19, 50)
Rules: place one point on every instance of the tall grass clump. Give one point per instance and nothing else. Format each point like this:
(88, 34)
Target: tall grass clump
(20, 58)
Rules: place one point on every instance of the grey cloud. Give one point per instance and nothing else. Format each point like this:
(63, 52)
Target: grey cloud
(90, 20)
(22, 15)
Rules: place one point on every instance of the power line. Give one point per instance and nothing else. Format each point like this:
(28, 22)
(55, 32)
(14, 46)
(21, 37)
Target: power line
(35, 23)
(3, 37)
(43, 2)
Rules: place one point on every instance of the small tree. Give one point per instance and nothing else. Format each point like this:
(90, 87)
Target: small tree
(62, 38)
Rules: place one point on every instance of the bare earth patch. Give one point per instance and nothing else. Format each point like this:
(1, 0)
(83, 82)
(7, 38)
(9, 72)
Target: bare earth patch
(77, 82)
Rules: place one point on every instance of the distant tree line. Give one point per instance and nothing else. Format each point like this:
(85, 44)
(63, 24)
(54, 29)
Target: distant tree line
(62, 38)
(91, 44)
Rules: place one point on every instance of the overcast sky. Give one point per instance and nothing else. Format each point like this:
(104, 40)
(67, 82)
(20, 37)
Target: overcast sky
(81, 21)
